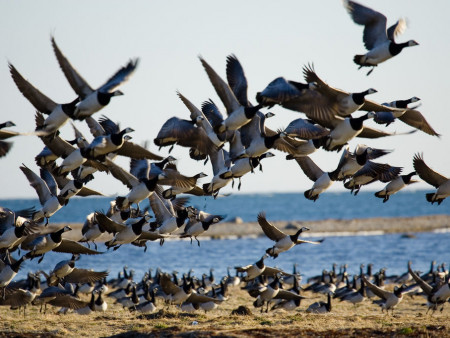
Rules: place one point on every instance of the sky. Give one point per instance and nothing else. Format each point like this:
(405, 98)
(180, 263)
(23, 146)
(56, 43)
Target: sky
(270, 39)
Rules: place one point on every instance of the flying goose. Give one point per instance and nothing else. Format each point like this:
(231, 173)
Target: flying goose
(185, 133)
(92, 100)
(177, 294)
(109, 138)
(379, 41)
(351, 162)
(305, 129)
(73, 157)
(258, 268)
(170, 215)
(39, 244)
(238, 115)
(371, 172)
(47, 191)
(140, 180)
(391, 299)
(441, 183)
(126, 233)
(202, 121)
(322, 180)
(58, 114)
(15, 226)
(65, 271)
(221, 167)
(396, 185)
(9, 269)
(411, 116)
(283, 242)
(436, 296)
(199, 224)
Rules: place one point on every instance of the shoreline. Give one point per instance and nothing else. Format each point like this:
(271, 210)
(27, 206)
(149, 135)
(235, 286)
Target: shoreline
(327, 227)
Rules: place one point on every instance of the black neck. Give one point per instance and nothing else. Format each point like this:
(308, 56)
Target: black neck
(104, 98)
(56, 236)
(359, 98)
(69, 108)
(250, 112)
(357, 123)
(137, 227)
(396, 48)
(270, 140)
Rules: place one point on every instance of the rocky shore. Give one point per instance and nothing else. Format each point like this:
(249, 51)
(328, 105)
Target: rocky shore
(331, 227)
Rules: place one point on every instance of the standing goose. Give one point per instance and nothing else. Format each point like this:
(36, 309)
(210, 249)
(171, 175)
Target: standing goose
(379, 41)
(396, 185)
(283, 242)
(238, 115)
(322, 180)
(441, 183)
(58, 114)
(92, 100)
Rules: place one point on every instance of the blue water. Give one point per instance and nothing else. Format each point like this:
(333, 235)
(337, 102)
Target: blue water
(279, 206)
(390, 250)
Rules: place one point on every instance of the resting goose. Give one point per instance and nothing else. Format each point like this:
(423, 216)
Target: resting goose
(283, 242)
(379, 41)
(92, 100)
(441, 183)
(320, 307)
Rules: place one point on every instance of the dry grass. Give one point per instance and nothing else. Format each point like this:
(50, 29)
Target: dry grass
(365, 319)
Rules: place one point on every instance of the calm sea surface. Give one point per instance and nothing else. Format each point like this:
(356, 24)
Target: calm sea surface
(391, 250)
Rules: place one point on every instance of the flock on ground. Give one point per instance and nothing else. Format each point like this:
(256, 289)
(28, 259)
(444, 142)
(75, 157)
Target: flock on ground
(235, 146)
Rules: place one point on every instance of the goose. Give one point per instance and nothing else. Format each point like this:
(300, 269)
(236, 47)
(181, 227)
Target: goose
(139, 180)
(201, 121)
(289, 301)
(39, 244)
(265, 294)
(396, 185)
(238, 115)
(370, 173)
(45, 157)
(344, 130)
(46, 190)
(9, 269)
(5, 147)
(125, 233)
(245, 165)
(305, 129)
(185, 133)
(65, 271)
(91, 230)
(173, 191)
(177, 294)
(390, 299)
(436, 296)
(356, 296)
(286, 93)
(89, 308)
(221, 167)
(148, 306)
(322, 180)
(14, 226)
(320, 307)
(73, 157)
(58, 114)
(351, 162)
(258, 268)
(283, 242)
(109, 138)
(92, 100)
(441, 183)
(379, 41)
(335, 101)
(200, 224)
(411, 116)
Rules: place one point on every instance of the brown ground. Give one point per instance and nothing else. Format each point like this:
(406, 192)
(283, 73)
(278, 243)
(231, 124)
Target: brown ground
(365, 319)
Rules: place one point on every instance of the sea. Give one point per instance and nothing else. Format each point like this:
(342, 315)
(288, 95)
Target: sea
(390, 251)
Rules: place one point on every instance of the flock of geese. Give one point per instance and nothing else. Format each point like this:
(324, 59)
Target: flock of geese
(235, 145)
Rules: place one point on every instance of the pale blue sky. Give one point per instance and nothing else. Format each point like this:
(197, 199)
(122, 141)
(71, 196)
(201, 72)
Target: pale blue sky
(269, 38)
